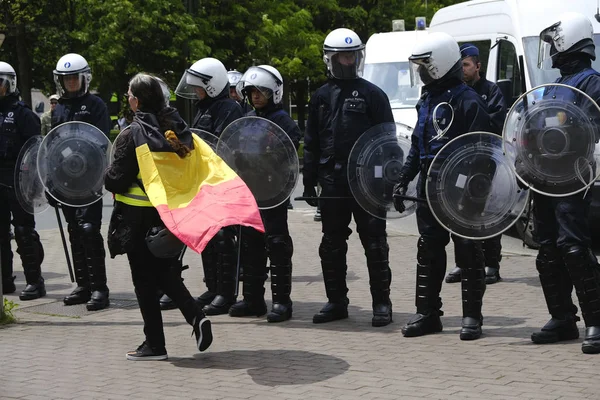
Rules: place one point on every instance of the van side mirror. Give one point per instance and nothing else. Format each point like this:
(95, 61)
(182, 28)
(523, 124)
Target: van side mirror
(506, 87)
(39, 108)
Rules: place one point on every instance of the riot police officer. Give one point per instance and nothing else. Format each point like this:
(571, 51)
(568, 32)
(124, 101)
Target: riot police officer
(339, 113)
(496, 105)
(17, 124)
(437, 61)
(206, 81)
(72, 77)
(263, 86)
(565, 258)
(234, 77)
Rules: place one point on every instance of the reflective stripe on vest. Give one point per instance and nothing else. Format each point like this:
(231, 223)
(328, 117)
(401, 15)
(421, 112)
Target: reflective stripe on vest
(135, 196)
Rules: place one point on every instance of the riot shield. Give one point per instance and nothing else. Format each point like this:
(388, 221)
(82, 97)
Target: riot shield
(551, 140)
(28, 187)
(71, 162)
(472, 190)
(208, 137)
(374, 166)
(264, 156)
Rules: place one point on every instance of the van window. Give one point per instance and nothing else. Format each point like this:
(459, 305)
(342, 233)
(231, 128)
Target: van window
(394, 79)
(484, 53)
(508, 66)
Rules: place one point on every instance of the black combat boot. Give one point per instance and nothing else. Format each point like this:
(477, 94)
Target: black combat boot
(431, 266)
(81, 294)
(472, 288)
(585, 273)
(95, 259)
(32, 254)
(380, 277)
(253, 259)
(280, 250)
(166, 303)
(557, 287)
(333, 252)
(226, 282)
(209, 262)
(454, 275)
(492, 253)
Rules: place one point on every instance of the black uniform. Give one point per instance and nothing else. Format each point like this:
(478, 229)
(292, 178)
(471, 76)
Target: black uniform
(339, 113)
(84, 223)
(219, 258)
(492, 248)
(469, 115)
(279, 247)
(565, 258)
(17, 124)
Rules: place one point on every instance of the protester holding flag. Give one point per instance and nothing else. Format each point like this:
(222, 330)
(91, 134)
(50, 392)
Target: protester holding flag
(134, 215)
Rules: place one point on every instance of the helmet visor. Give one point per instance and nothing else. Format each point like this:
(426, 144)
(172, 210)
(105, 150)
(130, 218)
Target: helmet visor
(258, 78)
(547, 50)
(8, 84)
(190, 84)
(419, 71)
(72, 85)
(345, 64)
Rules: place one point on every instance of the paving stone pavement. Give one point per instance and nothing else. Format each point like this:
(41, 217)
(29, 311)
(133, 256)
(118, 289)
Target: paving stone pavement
(58, 352)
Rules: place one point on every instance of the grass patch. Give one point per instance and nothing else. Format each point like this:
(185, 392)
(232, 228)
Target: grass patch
(7, 316)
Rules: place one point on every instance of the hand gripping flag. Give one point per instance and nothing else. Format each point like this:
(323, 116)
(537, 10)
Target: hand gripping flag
(196, 195)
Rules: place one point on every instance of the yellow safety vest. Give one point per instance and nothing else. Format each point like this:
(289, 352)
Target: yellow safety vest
(135, 196)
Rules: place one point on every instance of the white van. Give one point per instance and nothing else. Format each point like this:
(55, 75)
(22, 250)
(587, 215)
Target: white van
(386, 65)
(507, 35)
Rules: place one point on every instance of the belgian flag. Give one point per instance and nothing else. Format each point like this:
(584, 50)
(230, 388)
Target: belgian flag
(195, 195)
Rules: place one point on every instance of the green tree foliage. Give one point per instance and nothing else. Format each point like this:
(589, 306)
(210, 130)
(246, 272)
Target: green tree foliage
(122, 37)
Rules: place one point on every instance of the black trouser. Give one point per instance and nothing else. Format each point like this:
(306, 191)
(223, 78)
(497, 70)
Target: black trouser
(335, 218)
(431, 265)
(29, 246)
(565, 258)
(151, 274)
(492, 251)
(87, 245)
(276, 245)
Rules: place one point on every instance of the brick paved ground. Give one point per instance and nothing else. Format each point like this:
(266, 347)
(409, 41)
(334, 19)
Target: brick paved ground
(55, 352)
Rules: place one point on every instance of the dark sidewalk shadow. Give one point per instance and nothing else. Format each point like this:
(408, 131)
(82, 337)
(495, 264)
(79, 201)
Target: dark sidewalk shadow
(271, 367)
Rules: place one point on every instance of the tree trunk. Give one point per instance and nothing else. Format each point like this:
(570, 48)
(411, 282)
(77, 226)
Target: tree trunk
(301, 104)
(24, 65)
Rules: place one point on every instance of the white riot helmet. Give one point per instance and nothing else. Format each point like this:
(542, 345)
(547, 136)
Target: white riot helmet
(208, 73)
(266, 79)
(433, 57)
(234, 77)
(344, 54)
(72, 76)
(574, 33)
(8, 78)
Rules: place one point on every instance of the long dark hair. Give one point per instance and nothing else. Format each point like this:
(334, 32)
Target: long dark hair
(153, 97)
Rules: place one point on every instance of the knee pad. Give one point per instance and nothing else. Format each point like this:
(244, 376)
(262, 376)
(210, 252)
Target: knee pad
(375, 246)
(332, 247)
(578, 254)
(280, 246)
(224, 241)
(89, 230)
(26, 235)
(548, 254)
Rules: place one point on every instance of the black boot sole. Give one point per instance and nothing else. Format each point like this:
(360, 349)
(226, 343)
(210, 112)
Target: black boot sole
(32, 296)
(221, 310)
(413, 331)
(547, 337)
(453, 279)
(490, 280)
(97, 306)
(276, 317)
(246, 311)
(470, 334)
(590, 347)
(324, 318)
(378, 321)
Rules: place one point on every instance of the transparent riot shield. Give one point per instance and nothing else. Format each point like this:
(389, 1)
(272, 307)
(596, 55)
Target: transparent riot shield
(551, 140)
(374, 167)
(208, 137)
(264, 156)
(471, 188)
(71, 162)
(28, 187)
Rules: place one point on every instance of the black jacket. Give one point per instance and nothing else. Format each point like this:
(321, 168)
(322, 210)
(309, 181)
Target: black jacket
(277, 115)
(339, 112)
(214, 114)
(496, 105)
(17, 124)
(87, 108)
(130, 221)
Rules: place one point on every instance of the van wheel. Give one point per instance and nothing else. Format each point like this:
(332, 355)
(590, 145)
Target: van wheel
(525, 228)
